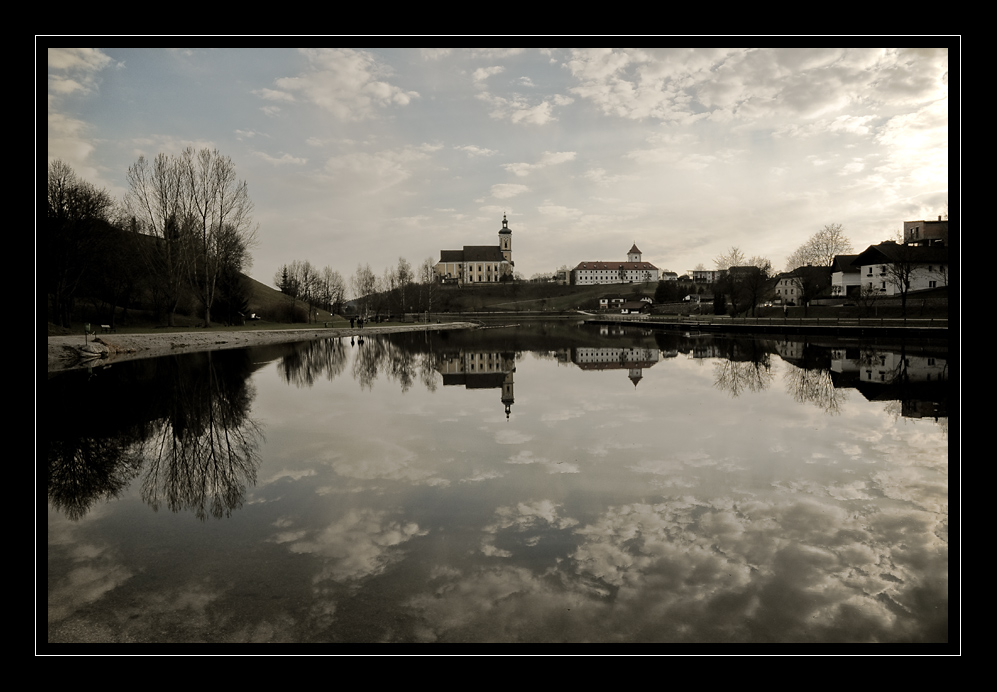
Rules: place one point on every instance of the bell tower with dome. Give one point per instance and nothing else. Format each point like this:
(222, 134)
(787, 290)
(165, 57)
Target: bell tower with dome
(505, 241)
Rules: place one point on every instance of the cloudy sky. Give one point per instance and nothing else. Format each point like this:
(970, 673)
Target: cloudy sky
(367, 155)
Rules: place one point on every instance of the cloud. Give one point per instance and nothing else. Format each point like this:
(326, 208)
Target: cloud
(474, 150)
(77, 59)
(280, 161)
(483, 73)
(559, 211)
(507, 190)
(360, 544)
(519, 110)
(370, 173)
(549, 158)
(349, 84)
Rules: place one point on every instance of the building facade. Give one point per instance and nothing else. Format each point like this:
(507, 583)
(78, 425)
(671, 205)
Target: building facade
(926, 232)
(634, 270)
(478, 263)
(845, 278)
(883, 266)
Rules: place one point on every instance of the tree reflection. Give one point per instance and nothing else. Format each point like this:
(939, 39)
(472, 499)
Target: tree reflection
(205, 453)
(311, 360)
(193, 439)
(815, 386)
(810, 380)
(743, 366)
(86, 470)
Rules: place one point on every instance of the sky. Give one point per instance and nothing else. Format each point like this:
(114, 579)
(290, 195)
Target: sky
(362, 156)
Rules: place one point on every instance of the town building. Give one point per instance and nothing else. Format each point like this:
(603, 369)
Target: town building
(787, 288)
(926, 232)
(926, 266)
(845, 279)
(706, 276)
(478, 263)
(634, 270)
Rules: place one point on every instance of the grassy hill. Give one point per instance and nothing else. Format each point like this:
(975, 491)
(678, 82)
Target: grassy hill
(530, 297)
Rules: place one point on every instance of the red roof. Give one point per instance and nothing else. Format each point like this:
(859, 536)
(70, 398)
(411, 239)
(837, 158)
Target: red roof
(615, 266)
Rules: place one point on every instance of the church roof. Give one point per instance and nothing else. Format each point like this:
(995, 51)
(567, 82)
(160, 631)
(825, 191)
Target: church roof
(473, 253)
(635, 249)
(483, 253)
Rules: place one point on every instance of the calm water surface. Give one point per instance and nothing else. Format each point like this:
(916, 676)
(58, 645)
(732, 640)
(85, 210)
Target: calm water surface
(551, 483)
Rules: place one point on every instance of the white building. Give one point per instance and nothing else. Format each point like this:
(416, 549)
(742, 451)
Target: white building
(927, 267)
(632, 271)
(845, 279)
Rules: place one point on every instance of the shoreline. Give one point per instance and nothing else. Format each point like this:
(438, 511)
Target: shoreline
(66, 352)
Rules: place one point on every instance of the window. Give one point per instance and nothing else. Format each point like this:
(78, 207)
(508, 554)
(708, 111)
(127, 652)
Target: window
(932, 284)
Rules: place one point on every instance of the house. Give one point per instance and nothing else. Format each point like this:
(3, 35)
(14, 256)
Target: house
(883, 267)
(845, 280)
(611, 301)
(636, 307)
(706, 276)
(478, 263)
(787, 288)
(924, 233)
(616, 301)
(615, 272)
(669, 276)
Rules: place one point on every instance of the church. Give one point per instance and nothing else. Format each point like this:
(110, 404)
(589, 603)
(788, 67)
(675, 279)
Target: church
(478, 263)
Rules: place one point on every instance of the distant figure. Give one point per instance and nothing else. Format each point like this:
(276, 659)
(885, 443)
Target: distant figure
(785, 311)
(360, 322)
(352, 321)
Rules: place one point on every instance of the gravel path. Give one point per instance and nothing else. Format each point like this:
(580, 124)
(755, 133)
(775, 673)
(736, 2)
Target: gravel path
(65, 352)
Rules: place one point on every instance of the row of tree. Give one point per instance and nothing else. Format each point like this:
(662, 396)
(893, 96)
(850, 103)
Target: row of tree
(744, 282)
(180, 237)
(201, 217)
(397, 290)
(324, 289)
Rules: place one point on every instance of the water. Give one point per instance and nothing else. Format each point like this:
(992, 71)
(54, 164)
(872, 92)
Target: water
(553, 483)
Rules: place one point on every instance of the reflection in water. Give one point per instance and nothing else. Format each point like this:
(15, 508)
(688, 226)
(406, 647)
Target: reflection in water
(193, 441)
(704, 505)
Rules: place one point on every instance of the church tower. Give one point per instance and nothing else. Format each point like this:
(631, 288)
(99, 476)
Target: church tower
(634, 254)
(505, 241)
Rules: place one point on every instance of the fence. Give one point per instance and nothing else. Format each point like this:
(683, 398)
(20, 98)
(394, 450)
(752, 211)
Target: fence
(726, 320)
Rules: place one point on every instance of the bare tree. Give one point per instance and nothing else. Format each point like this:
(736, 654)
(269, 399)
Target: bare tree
(364, 285)
(755, 281)
(427, 275)
(821, 248)
(731, 258)
(202, 216)
(404, 277)
(156, 200)
(332, 289)
(222, 212)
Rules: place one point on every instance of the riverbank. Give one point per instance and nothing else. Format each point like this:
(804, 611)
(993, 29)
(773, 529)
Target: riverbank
(67, 352)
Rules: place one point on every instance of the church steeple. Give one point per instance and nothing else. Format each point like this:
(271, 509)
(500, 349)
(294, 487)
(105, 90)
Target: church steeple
(505, 240)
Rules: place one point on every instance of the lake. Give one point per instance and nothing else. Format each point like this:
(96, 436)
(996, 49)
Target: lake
(550, 483)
